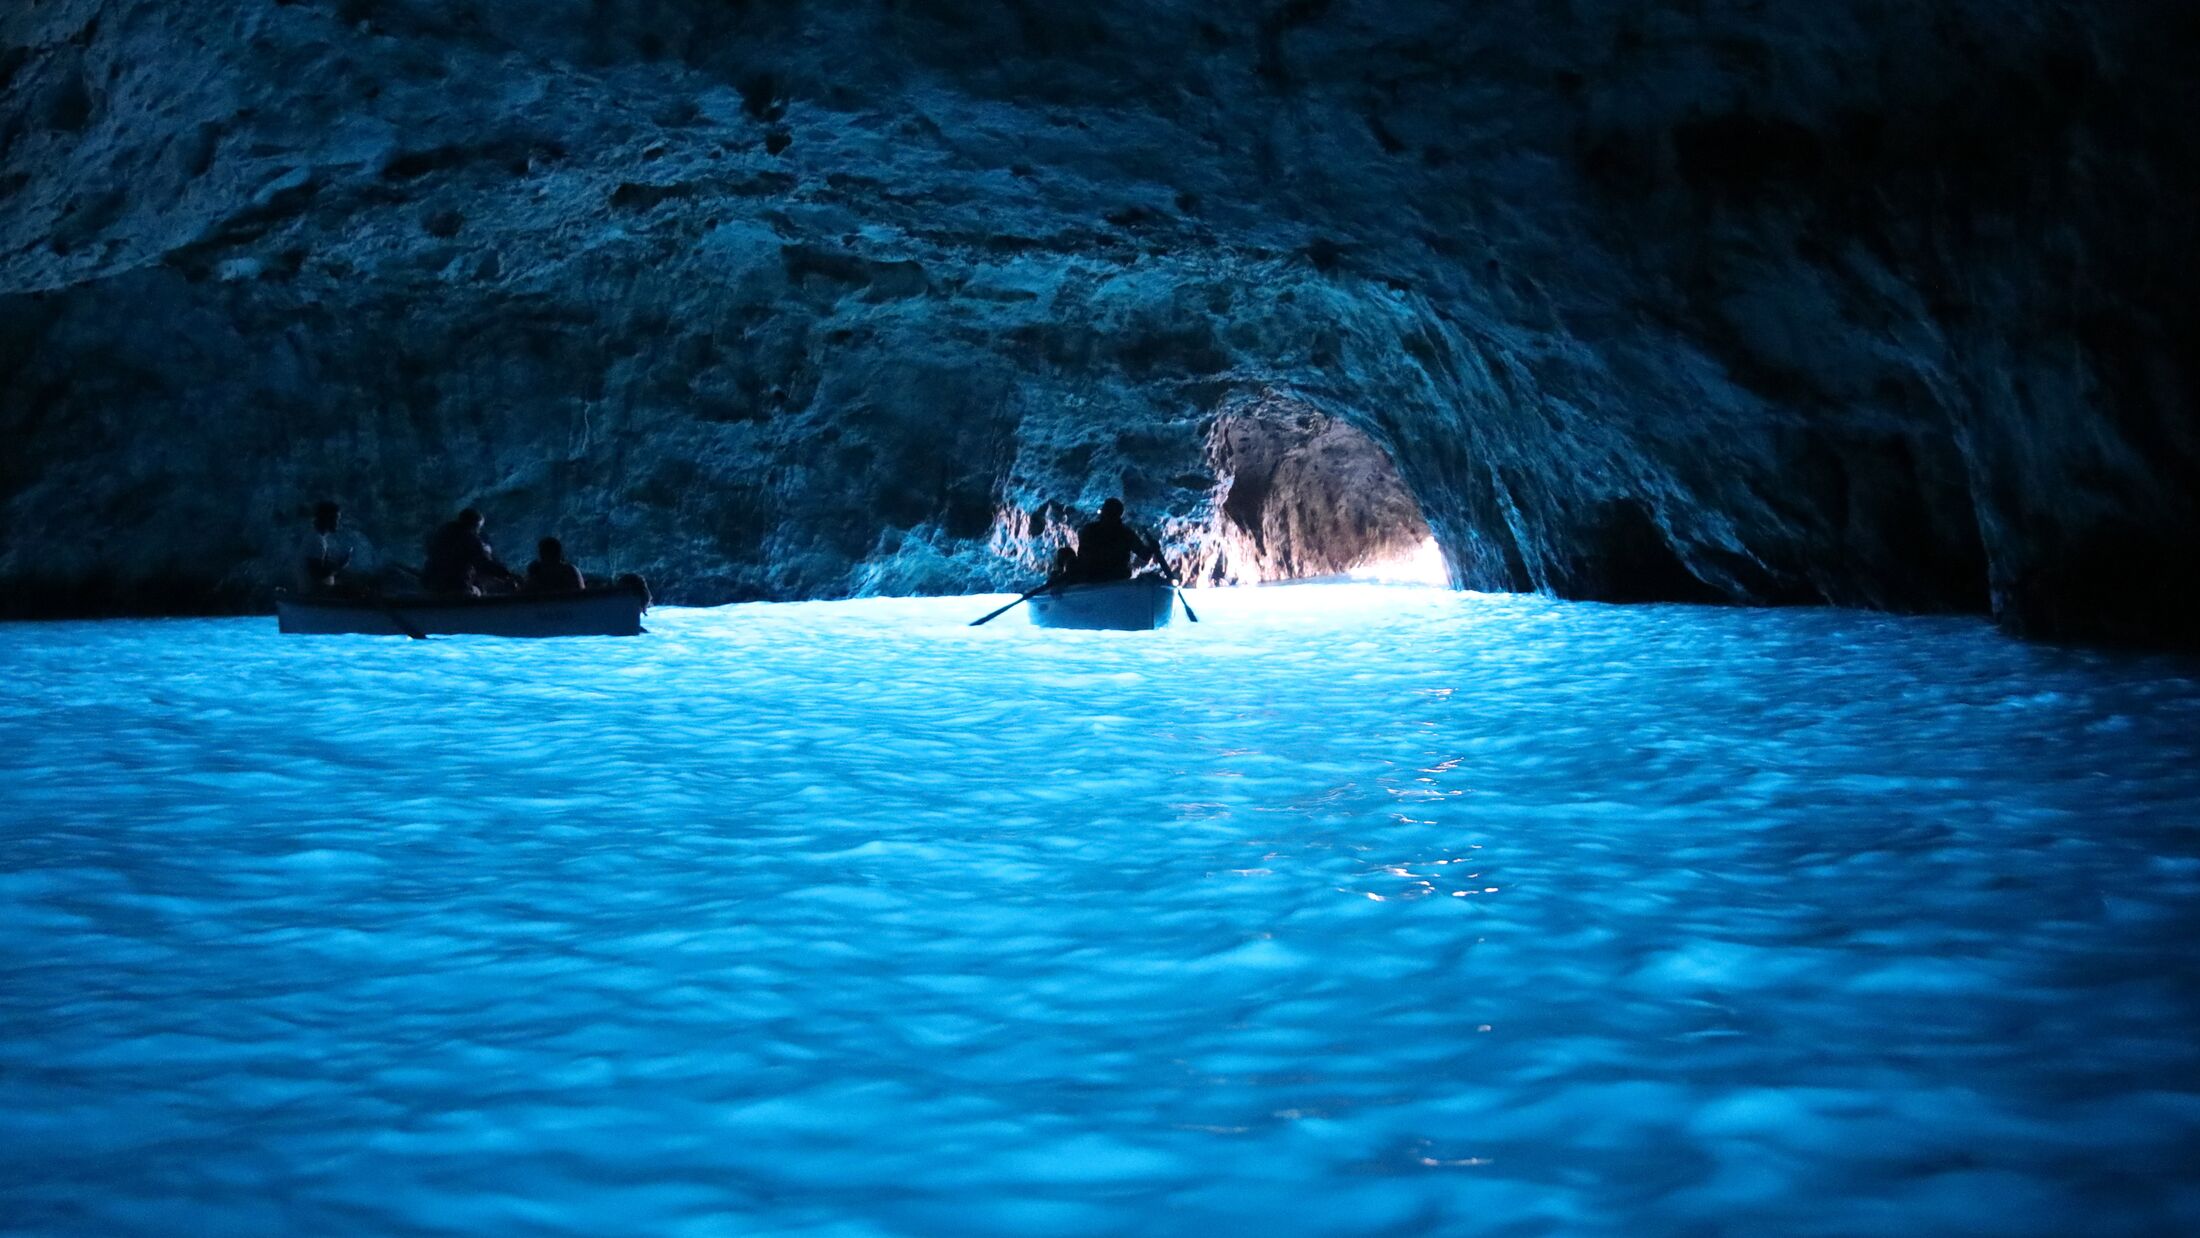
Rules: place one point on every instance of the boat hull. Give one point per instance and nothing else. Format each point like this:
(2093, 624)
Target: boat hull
(595, 612)
(1119, 606)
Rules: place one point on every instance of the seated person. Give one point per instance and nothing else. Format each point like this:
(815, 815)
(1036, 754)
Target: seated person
(333, 560)
(460, 559)
(1108, 549)
(550, 573)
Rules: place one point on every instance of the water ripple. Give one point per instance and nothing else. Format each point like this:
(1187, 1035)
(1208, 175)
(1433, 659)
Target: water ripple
(1348, 910)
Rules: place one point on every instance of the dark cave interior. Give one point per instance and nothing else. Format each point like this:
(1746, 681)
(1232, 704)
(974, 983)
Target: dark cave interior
(1854, 304)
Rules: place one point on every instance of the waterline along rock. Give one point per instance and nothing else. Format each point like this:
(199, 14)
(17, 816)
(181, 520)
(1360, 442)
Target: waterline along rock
(1875, 304)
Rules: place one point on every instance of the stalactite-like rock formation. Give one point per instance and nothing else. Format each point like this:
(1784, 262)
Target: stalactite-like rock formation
(1856, 302)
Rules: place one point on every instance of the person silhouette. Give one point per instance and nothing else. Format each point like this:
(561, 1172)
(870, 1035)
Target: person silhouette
(550, 573)
(324, 555)
(1108, 549)
(334, 560)
(460, 558)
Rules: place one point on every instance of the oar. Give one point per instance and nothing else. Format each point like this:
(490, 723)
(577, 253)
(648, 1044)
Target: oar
(403, 625)
(1183, 601)
(390, 612)
(1012, 605)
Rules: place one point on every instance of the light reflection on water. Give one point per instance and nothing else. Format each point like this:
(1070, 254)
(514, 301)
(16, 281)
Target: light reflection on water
(1346, 910)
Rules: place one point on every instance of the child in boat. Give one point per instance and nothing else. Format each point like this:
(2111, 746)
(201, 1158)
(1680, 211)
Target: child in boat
(550, 573)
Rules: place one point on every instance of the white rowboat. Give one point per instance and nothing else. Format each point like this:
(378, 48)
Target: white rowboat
(1124, 606)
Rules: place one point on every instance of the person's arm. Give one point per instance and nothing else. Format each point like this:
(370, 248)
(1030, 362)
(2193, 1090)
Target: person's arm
(359, 554)
(485, 560)
(1153, 554)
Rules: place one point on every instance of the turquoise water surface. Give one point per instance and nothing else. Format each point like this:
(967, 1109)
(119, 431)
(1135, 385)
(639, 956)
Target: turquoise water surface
(1348, 910)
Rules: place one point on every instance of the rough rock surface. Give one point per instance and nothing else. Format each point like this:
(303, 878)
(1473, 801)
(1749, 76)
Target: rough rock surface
(1303, 495)
(1874, 302)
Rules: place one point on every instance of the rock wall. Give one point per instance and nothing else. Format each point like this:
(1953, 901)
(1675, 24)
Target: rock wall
(1870, 302)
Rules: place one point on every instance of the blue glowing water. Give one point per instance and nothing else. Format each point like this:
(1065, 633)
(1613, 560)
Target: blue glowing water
(1348, 910)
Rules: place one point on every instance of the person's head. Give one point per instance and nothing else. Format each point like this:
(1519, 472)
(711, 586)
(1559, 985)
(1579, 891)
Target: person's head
(470, 519)
(1112, 510)
(550, 550)
(325, 515)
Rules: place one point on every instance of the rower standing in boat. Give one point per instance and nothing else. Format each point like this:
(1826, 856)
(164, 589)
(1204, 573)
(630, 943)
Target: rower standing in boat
(550, 573)
(1107, 549)
(460, 559)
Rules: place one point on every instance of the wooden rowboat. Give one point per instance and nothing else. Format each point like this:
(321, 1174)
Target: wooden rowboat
(589, 612)
(1124, 605)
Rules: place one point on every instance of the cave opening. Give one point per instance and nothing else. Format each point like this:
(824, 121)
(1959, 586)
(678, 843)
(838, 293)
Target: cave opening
(1302, 495)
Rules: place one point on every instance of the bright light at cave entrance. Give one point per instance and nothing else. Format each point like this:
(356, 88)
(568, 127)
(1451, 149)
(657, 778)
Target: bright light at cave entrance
(1423, 565)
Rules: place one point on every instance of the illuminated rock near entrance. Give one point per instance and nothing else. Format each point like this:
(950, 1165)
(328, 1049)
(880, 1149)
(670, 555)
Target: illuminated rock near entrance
(1303, 495)
(1797, 303)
